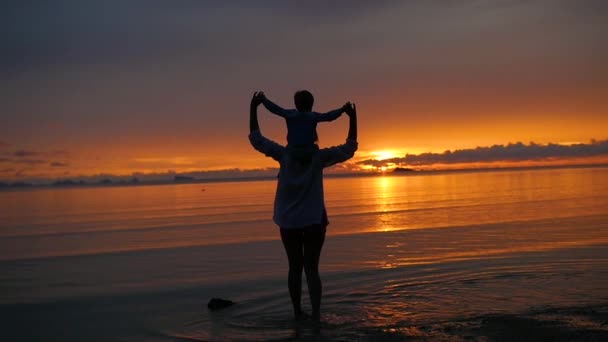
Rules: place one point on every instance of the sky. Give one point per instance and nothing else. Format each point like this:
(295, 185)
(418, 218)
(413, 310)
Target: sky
(123, 87)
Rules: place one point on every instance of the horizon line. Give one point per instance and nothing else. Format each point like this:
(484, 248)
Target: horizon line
(183, 178)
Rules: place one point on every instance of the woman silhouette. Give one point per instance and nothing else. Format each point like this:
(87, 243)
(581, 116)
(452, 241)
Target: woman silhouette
(299, 205)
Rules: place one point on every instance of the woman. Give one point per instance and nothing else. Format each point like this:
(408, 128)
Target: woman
(299, 205)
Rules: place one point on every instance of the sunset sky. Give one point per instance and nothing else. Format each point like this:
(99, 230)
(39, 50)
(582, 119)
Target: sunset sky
(117, 87)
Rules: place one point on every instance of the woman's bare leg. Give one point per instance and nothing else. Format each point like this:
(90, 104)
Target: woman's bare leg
(313, 243)
(293, 243)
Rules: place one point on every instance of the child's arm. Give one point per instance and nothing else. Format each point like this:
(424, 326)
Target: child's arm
(257, 140)
(331, 115)
(339, 154)
(276, 109)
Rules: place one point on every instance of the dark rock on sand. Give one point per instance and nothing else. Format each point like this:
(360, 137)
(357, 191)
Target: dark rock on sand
(219, 303)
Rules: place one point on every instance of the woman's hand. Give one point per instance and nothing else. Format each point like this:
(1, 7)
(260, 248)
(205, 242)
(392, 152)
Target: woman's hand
(351, 111)
(256, 99)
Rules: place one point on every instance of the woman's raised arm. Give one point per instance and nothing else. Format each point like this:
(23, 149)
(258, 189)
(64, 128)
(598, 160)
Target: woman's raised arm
(256, 99)
(258, 141)
(338, 154)
(351, 111)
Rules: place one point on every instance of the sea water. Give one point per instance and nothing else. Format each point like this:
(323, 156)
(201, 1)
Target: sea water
(141, 262)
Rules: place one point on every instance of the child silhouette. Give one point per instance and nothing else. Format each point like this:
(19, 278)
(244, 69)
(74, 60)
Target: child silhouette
(302, 122)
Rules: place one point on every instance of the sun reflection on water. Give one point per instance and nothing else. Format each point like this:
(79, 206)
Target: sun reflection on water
(386, 186)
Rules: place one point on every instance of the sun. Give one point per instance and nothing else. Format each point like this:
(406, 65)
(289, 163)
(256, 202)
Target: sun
(384, 154)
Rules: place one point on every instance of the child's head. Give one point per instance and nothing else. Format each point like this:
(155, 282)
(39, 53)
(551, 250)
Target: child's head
(303, 100)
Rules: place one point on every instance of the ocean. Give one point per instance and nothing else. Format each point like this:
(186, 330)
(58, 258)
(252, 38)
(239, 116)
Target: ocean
(425, 255)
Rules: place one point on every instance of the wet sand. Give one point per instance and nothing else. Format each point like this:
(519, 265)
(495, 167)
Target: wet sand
(587, 323)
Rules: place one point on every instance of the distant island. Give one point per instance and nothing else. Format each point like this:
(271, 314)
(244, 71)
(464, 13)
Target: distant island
(18, 185)
(240, 176)
(73, 183)
(179, 178)
(68, 182)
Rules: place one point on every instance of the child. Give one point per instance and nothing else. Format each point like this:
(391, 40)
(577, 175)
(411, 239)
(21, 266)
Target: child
(302, 122)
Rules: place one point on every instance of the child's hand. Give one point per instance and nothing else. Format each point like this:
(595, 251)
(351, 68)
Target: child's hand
(350, 109)
(258, 97)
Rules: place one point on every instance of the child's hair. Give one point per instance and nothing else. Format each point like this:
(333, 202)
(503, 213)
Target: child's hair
(303, 100)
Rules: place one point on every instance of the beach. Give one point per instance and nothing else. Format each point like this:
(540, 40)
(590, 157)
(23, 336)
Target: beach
(476, 255)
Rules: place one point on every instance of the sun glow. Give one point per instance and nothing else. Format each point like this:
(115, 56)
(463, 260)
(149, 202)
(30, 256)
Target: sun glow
(384, 154)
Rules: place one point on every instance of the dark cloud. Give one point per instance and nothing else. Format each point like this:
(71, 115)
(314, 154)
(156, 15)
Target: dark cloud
(29, 153)
(511, 152)
(30, 161)
(8, 170)
(26, 161)
(375, 162)
(25, 153)
(58, 164)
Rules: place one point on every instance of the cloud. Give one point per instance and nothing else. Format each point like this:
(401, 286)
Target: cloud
(27, 161)
(94, 31)
(512, 152)
(27, 157)
(26, 153)
(30, 153)
(30, 161)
